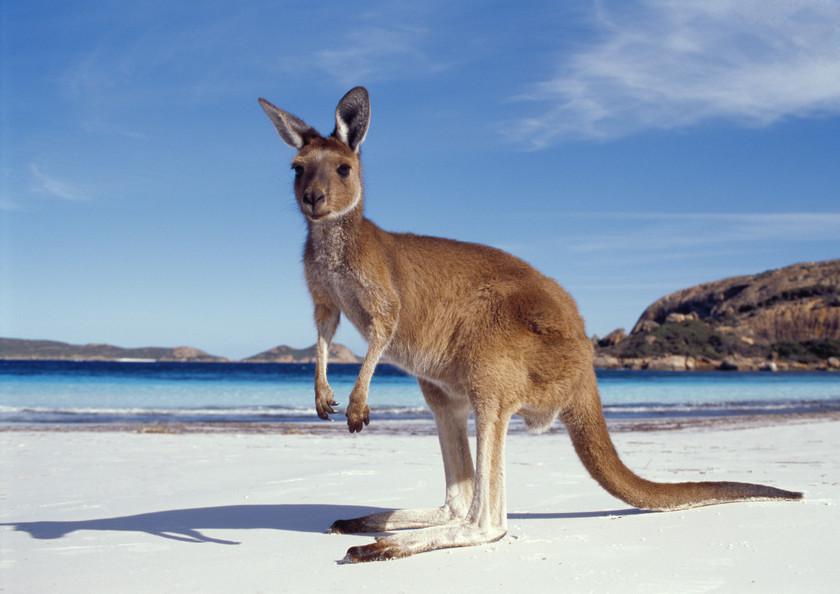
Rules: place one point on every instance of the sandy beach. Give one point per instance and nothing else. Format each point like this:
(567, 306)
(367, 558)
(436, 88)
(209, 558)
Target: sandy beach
(236, 512)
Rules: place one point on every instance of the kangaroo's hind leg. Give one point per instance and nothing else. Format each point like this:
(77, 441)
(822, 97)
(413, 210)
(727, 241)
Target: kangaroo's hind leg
(486, 518)
(451, 419)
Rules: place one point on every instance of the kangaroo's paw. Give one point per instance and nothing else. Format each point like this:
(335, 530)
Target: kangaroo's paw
(358, 415)
(324, 401)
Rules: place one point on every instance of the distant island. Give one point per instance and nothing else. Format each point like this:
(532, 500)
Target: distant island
(18, 348)
(778, 320)
(53, 350)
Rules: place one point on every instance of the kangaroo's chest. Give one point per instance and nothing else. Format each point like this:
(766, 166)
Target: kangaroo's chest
(329, 268)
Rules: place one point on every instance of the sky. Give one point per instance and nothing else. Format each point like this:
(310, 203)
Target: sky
(626, 149)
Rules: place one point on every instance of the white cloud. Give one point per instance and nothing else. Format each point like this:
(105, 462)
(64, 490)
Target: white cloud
(672, 64)
(46, 184)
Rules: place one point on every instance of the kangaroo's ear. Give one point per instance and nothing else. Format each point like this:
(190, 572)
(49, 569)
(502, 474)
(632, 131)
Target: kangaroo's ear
(293, 130)
(352, 118)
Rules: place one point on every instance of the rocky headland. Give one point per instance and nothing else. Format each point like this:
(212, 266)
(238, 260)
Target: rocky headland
(782, 319)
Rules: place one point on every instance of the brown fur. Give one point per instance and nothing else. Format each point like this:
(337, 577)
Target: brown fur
(481, 330)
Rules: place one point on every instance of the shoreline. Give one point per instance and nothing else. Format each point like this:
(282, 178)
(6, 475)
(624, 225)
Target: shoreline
(734, 364)
(337, 428)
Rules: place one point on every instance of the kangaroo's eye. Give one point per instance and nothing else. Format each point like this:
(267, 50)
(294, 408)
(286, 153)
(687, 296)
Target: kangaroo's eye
(298, 169)
(343, 170)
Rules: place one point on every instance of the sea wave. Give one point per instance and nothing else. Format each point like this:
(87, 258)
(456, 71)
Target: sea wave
(292, 414)
(209, 414)
(718, 409)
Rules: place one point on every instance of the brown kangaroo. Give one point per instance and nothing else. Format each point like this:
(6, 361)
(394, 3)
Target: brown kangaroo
(480, 329)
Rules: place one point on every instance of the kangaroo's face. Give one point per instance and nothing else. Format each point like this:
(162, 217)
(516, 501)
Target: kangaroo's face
(328, 181)
(328, 177)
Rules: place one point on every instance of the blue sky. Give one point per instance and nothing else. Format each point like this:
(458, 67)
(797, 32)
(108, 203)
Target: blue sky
(627, 149)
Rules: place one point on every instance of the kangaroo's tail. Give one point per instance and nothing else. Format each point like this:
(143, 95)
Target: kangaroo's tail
(588, 430)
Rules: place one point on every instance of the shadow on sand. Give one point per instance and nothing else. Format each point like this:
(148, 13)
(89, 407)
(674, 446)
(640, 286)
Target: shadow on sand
(630, 511)
(185, 525)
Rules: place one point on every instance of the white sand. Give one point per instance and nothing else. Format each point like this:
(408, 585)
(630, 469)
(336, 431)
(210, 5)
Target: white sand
(126, 512)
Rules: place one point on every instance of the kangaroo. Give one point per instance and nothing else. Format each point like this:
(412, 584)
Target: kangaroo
(481, 330)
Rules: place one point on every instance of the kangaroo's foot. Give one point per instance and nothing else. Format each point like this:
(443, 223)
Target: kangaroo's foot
(398, 519)
(420, 541)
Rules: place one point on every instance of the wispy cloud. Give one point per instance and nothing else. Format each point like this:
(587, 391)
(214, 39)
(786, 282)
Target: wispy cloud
(155, 64)
(52, 186)
(97, 125)
(666, 64)
(673, 232)
(376, 52)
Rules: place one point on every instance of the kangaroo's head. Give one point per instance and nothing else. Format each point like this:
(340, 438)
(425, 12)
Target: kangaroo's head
(328, 175)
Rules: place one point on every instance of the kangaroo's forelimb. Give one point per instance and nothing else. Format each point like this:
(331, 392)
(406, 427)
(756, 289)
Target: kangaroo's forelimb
(383, 312)
(326, 321)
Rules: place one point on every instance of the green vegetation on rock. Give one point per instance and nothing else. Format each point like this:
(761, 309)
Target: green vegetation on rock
(809, 351)
(692, 338)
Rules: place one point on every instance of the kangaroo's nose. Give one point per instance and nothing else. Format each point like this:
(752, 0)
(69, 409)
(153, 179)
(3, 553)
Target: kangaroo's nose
(313, 199)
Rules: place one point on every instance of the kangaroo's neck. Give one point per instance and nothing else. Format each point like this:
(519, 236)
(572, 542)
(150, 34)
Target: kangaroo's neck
(334, 242)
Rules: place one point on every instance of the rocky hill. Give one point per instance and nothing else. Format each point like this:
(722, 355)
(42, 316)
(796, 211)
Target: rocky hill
(18, 348)
(23, 349)
(787, 318)
(286, 354)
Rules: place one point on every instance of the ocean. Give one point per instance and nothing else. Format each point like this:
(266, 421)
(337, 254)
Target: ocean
(65, 392)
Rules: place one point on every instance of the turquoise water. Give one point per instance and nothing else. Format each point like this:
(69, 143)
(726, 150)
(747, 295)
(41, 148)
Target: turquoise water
(102, 392)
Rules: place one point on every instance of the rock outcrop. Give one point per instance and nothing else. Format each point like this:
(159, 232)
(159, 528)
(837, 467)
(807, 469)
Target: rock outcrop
(787, 318)
(796, 303)
(613, 338)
